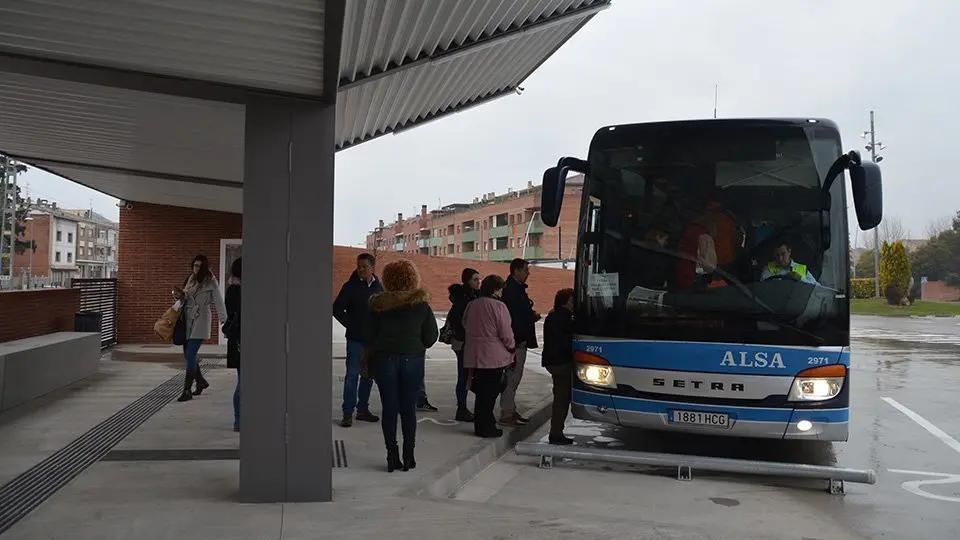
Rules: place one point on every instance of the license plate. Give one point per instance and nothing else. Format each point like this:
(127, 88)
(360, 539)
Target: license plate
(700, 418)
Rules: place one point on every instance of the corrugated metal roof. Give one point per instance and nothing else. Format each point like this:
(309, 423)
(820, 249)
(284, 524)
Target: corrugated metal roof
(378, 34)
(111, 127)
(169, 192)
(407, 62)
(270, 44)
(419, 93)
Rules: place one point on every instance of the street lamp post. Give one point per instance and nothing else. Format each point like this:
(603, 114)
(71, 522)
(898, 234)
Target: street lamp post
(872, 148)
(29, 219)
(526, 236)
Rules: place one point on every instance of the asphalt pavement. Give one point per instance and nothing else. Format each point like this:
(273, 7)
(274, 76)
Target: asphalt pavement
(904, 425)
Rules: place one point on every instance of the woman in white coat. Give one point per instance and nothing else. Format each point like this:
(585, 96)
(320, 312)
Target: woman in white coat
(199, 293)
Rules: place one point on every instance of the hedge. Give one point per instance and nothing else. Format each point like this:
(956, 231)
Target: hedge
(863, 288)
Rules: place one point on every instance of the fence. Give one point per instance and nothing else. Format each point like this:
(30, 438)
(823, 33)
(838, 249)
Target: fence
(100, 295)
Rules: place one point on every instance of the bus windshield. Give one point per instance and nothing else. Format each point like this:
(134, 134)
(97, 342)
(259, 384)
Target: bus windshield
(714, 231)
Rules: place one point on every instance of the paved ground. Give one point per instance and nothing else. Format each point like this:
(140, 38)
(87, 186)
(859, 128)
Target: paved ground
(904, 425)
(149, 488)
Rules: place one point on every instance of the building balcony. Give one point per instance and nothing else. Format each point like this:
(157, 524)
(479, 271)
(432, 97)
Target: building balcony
(537, 227)
(501, 231)
(502, 254)
(533, 253)
(469, 236)
(423, 243)
(472, 255)
(436, 242)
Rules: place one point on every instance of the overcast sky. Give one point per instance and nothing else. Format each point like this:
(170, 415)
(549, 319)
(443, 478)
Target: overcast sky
(655, 60)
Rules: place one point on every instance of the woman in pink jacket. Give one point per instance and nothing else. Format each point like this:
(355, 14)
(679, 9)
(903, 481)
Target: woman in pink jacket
(488, 349)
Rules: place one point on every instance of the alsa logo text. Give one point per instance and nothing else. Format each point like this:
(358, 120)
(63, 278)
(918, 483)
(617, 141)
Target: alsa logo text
(758, 359)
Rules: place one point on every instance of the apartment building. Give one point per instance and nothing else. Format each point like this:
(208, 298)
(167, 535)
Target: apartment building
(55, 234)
(491, 228)
(96, 244)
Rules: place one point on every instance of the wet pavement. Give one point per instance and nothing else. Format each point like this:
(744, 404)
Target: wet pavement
(904, 425)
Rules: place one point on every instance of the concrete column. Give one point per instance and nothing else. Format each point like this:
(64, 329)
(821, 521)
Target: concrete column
(286, 423)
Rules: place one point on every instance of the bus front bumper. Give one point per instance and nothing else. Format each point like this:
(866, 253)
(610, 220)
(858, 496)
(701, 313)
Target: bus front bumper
(755, 422)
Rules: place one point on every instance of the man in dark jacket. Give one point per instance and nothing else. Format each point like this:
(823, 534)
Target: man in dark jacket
(558, 359)
(352, 311)
(523, 320)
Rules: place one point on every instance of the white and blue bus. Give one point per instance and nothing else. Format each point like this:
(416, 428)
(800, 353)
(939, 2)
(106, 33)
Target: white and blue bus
(713, 275)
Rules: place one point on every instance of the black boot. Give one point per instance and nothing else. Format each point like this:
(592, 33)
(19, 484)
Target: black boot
(202, 383)
(408, 461)
(393, 460)
(187, 383)
(464, 415)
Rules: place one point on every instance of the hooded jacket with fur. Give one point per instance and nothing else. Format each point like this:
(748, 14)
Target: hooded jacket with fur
(402, 322)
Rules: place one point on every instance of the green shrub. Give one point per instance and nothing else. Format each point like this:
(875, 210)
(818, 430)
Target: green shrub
(894, 268)
(862, 287)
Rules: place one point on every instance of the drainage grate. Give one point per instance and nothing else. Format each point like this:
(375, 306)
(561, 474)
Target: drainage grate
(188, 454)
(26, 492)
(339, 453)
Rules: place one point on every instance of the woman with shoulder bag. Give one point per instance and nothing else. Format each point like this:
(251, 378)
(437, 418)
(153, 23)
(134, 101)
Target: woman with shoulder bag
(199, 293)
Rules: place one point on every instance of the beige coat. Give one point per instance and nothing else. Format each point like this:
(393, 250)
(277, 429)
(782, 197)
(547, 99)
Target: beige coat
(197, 309)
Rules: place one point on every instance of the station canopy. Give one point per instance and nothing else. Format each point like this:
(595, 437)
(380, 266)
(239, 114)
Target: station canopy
(144, 99)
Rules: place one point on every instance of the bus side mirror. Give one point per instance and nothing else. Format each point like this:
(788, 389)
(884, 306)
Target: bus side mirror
(867, 187)
(551, 198)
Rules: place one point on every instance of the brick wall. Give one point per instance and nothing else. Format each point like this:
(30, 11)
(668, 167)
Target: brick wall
(437, 273)
(158, 242)
(939, 291)
(39, 229)
(26, 314)
(156, 245)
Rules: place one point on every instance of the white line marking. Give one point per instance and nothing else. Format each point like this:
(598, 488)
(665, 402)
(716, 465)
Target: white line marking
(437, 422)
(915, 486)
(925, 424)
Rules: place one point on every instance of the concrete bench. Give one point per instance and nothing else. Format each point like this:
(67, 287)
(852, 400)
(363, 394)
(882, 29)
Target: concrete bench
(32, 367)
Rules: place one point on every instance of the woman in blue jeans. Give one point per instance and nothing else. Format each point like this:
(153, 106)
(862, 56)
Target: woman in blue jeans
(199, 293)
(231, 330)
(402, 328)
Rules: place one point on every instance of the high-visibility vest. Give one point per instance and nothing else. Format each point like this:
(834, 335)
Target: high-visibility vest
(800, 269)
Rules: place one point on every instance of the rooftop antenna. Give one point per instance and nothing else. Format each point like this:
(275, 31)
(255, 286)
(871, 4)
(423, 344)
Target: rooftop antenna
(716, 88)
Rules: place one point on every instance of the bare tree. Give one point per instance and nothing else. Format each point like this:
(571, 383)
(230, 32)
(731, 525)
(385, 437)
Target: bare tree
(938, 225)
(892, 229)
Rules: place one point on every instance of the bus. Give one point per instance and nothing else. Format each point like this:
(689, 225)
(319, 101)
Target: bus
(713, 275)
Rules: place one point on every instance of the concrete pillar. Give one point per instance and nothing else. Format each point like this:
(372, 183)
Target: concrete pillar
(286, 423)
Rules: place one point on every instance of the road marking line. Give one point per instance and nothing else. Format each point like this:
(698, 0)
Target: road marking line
(915, 486)
(925, 424)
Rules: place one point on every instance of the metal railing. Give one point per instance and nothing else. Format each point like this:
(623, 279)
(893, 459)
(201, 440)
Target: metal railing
(686, 463)
(100, 295)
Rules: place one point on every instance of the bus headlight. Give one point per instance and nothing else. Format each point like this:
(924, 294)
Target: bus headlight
(818, 384)
(594, 370)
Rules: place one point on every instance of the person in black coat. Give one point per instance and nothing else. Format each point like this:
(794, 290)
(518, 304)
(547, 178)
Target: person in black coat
(460, 295)
(558, 360)
(523, 321)
(351, 309)
(231, 329)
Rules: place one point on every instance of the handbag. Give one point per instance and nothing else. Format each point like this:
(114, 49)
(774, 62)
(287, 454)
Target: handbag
(180, 330)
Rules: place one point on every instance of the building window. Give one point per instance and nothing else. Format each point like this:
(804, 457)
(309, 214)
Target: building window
(70, 237)
(59, 236)
(83, 251)
(57, 256)
(69, 257)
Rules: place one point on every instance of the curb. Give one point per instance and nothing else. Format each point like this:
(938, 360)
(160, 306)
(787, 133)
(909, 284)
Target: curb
(444, 485)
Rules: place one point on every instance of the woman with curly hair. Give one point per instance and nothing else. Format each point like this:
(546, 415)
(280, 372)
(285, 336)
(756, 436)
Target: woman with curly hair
(199, 293)
(402, 328)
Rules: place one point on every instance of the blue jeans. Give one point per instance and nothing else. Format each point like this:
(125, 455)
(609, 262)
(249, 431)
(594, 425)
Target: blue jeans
(190, 349)
(355, 396)
(236, 402)
(398, 379)
(462, 375)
